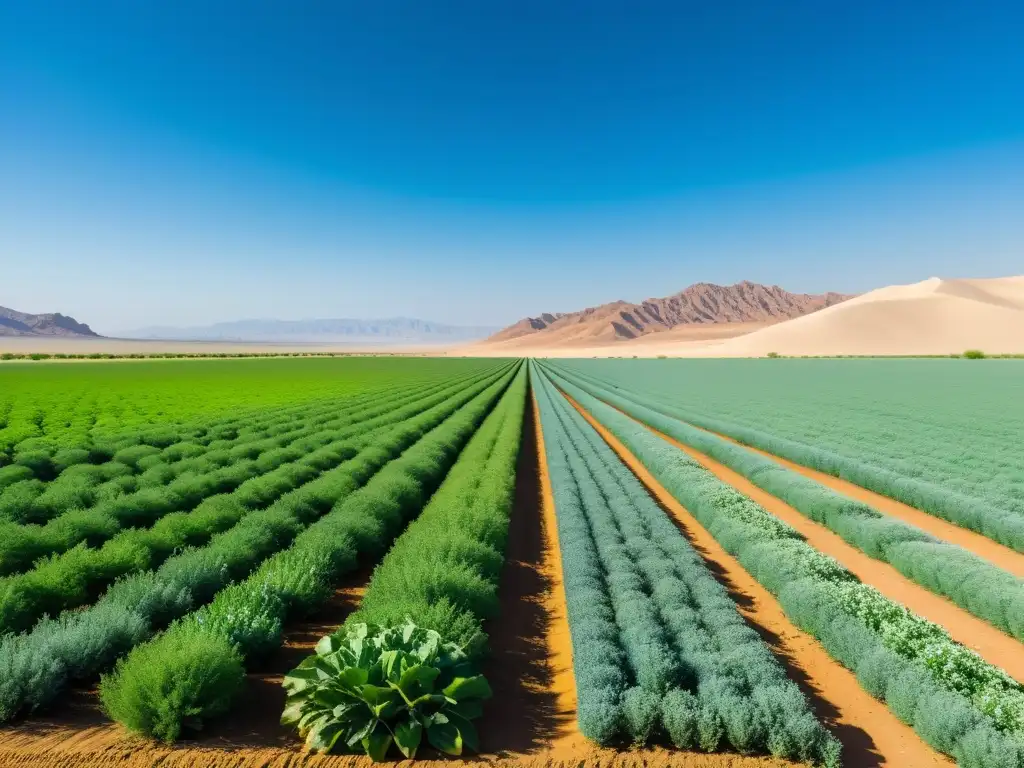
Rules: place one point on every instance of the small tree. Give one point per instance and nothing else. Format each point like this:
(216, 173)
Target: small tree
(974, 354)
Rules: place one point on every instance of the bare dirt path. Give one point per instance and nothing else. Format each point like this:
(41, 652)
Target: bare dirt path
(871, 735)
(988, 642)
(535, 703)
(997, 554)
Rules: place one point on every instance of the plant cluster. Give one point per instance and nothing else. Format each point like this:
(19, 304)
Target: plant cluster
(895, 427)
(59, 407)
(443, 570)
(368, 687)
(75, 577)
(877, 639)
(987, 591)
(659, 649)
(246, 619)
(78, 645)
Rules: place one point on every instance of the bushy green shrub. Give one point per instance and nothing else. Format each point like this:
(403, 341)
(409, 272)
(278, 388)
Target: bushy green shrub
(207, 668)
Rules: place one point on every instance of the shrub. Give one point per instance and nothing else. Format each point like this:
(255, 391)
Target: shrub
(207, 668)
(974, 354)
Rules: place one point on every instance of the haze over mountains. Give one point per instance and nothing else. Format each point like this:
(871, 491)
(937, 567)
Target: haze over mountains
(743, 307)
(389, 330)
(15, 323)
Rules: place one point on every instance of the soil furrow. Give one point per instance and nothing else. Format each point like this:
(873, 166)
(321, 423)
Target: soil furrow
(871, 735)
(988, 642)
(530, 666)
(982, 546)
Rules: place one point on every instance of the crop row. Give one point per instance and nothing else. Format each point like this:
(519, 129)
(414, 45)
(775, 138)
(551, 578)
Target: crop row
(194, 670)
(78, 645)
(72, 406)
(977, 485)
(955, 701)
(78, 575)
(443, 571)
(987, 591)
(39, 471)
(22, 545)
(658, 646)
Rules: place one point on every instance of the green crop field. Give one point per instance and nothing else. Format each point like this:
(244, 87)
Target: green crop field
(535, 560)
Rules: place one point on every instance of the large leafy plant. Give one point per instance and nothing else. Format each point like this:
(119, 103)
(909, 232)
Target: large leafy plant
(368, 687)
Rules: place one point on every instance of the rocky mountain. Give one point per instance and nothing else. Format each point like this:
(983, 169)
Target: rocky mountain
(702, 303)
(399, 329)
(14, 323)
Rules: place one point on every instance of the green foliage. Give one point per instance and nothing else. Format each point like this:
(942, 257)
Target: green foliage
(443, 571)
(657, 643)
(985, 590)
(208, 669)
(974, 354)
(249, 616)
(907, 662)
(368, 687)
(79, 645)
(894, 426)
(77, 405)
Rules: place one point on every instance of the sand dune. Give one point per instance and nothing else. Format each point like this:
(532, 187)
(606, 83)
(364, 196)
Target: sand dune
(933, 317)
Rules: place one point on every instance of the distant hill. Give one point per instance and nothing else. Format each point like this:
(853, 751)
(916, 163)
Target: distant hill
(398, 329)
(14, 323)
(702, 303)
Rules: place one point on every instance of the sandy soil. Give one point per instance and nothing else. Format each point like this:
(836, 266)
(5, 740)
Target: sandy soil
(933, 317)
(684, 334)
(871, 735)
(982, 546)
(990, 643)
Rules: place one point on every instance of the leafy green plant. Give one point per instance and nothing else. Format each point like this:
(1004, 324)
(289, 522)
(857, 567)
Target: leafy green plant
(369, 686)
(974, 354)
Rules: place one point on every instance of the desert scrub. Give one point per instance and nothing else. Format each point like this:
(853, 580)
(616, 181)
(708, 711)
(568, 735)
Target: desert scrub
(213, 674)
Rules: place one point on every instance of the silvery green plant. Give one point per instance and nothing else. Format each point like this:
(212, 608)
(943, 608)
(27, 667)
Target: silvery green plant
(368, 687)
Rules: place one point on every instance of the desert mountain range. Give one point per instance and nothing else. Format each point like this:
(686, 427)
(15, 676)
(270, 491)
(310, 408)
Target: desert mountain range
(14, 323)
(932, 317)
(744, 305)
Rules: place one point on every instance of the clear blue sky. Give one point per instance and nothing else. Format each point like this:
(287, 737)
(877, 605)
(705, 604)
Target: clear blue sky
(187, 162)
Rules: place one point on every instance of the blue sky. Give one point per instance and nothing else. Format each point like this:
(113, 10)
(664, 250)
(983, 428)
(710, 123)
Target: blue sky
(472, 162)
